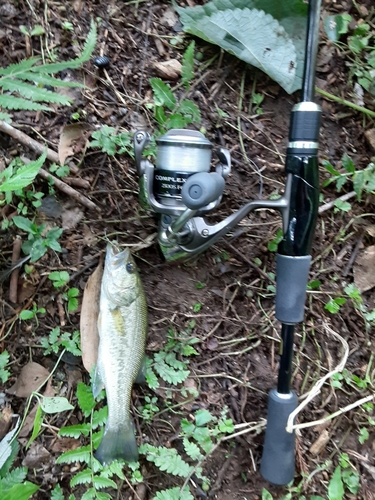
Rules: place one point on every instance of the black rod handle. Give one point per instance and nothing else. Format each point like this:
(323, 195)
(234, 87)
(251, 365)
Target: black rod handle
(278, 461)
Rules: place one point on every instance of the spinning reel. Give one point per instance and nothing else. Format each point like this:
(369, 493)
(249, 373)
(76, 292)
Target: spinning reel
(181, 189)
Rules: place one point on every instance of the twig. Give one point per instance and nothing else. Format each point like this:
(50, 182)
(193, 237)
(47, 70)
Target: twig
(317, 387)
(34, 145)
(62, 186)
(345, 102)
(13, 286)
(331, 204)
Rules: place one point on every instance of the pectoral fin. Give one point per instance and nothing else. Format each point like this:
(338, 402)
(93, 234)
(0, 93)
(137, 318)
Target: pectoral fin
(97, 383)
(141, 376)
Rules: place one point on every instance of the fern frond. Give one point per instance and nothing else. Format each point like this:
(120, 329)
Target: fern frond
(81, 454)
(17, 68)
(75, 431)
(34, 93)
(103, 482)
(47, 80)
(174, 494)
(82, 477)
(15, 476)
(12, 102)
(5, 117)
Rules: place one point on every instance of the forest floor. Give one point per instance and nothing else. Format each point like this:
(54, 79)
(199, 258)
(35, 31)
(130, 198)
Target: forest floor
(223, 299)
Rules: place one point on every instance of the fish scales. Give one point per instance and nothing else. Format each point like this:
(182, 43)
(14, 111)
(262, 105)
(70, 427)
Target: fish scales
(122, 326)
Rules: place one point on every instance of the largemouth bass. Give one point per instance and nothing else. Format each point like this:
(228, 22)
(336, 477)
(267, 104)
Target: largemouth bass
(122, 326)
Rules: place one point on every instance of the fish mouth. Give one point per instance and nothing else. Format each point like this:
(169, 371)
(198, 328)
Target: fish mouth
(116, 257)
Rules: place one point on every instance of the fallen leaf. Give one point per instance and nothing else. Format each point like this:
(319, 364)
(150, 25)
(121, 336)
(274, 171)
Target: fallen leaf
(170, 70)
(29, 380)
(73, 139)
(71, 217)
(25, 290)
(5, 421)
(320, 443)
(65, 444)
(36, 456)
(370, 136)
(364, 269)
(169, 18)
(89, 237)
(89, 318)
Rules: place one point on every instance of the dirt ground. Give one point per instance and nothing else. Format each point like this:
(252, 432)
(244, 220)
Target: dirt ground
(237, 298)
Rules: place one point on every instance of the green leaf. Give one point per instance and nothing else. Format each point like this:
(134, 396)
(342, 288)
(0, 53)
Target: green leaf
(86, 400)
(335, 486)
(99, 417)
(174, 494)
(187, 73)
(348, 163)
(268, 35)
(12, 102)
(5, 117)
(38, 420)
(202, 417)
(192, 450)
(23, 223)
(359, 183)
(55, 404)
(90, 494)
(82, 477)
(103, 482)
(34, 93)
(20, 491)
(335, 26)
(344, 206)
(24, 175)
(82, 454)
(266, 495)
(75, 431)
(25, 314)
(177, 121)
(151, 378)
(189, 108)
(163, 95)
(363, 435)
(57, 493)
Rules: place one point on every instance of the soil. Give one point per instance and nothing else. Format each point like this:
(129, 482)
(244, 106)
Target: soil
(237, 297)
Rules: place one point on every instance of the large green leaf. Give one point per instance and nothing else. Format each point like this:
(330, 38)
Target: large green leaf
(267, 34)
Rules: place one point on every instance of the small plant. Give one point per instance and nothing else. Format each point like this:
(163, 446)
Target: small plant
(363, 180)
(56, 340)
(166, 364)
(274, 243)
(359, 47)
(149, 409)
(59, 170)
(24, 83)
(26, 314)
(13, 484)
(59, 280)
(111, 143)
(199, 439)
(38, 242)
(93, 475)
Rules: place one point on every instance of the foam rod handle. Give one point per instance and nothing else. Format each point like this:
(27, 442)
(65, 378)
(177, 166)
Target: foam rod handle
(278, 460)
(201, 189)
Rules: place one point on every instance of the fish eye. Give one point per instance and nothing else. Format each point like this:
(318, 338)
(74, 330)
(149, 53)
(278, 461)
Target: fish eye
(130, 268)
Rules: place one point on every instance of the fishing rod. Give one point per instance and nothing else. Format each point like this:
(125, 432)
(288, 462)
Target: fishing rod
(181, 190)
(293, 258)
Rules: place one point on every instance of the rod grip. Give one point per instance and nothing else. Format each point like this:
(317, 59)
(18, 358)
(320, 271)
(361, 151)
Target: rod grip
(292, 275)
(278, 462)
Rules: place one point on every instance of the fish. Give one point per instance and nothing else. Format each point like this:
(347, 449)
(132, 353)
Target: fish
(122, 326)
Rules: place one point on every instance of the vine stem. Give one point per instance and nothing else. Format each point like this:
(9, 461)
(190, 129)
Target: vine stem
(332, 97)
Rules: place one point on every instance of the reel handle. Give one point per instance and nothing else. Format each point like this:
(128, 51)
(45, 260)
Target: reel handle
(201, 189)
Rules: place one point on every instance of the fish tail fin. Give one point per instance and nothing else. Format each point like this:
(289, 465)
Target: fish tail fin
(118, 444)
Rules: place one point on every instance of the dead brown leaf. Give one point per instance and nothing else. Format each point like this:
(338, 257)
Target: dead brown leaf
(65, 444)
(89, 237)
(318, 445)
(70, 217)
(36, 456)
(29, 380)
(73, 139)
(364, 269)
(5, 421)
(170, 70)
(89, 318)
